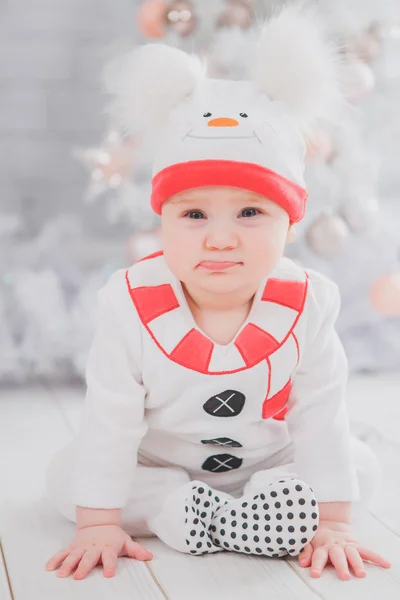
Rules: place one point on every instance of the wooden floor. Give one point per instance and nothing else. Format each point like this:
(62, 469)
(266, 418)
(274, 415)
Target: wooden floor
(35, 422)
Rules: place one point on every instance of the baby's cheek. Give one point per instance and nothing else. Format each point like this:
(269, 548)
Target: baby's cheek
(178, 255)
(267, 253)
(274, 249)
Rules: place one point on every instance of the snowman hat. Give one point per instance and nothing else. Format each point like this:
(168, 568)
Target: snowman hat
(246, 134)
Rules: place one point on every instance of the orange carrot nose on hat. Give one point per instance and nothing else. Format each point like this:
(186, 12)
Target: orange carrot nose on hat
(246, 134)
(223, 122)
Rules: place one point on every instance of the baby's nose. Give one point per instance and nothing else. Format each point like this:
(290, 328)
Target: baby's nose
(223, 122)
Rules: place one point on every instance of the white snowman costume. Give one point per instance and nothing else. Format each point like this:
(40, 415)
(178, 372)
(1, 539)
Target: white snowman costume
(242, 417)
(215, 447)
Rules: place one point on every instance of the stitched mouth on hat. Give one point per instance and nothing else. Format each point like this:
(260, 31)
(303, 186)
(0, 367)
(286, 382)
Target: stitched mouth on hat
(221, 137)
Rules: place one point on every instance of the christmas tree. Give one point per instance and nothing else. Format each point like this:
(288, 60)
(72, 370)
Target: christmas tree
(350, 232)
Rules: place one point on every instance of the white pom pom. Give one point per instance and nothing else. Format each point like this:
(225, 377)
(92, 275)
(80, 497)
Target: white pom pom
(148, 82)
(295, 63)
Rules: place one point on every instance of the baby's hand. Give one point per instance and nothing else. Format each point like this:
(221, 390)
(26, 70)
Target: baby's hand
(335, 541)
(100, 543)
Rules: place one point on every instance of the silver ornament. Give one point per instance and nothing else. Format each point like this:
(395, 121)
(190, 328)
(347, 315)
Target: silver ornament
(361, 214)
(328, 235)
(238, 13)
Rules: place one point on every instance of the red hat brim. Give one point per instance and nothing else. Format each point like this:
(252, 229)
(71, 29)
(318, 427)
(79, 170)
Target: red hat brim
(256, 178)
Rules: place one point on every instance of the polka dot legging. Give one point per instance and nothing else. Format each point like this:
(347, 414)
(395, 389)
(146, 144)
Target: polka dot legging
(278, 522)
(198, 519)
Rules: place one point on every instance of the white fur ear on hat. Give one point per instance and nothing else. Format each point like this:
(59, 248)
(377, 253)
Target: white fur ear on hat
(148, 82)
(295, 63)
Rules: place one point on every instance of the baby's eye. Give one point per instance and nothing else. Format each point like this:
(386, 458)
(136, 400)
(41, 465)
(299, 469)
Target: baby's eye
(207, 114)
(244, 115)
(249, 212)
(195, 214)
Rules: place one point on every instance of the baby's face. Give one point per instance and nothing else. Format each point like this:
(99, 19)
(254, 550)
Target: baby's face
(222, 239)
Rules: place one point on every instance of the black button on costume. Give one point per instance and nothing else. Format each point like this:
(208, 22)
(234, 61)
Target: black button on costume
(223, 441)
(220, 463)
(226, 404)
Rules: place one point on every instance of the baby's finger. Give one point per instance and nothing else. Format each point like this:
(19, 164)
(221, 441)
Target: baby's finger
(70, 562)
(367, 554)
(135, 550)
(109, 558)
(355, 561)
(57, 559)
(339, 561)
(305, 556)
(319, 560)
(89, 560)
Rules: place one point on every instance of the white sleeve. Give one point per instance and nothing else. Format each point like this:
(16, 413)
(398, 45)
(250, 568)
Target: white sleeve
(113, 423)
(318, 421)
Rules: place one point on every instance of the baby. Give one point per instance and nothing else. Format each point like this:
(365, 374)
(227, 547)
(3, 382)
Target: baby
(215, 413)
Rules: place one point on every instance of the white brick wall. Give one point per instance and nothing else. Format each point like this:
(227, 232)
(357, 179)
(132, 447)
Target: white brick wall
(51, 54)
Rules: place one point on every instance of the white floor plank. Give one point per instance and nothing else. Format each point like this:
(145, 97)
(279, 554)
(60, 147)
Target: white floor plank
(69, 401)
(374, 405)
(4, 585)
(32, 428)
(385, 504)
(226, 576)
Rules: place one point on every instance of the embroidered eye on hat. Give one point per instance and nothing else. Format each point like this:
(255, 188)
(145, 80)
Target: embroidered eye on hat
(245, 134)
